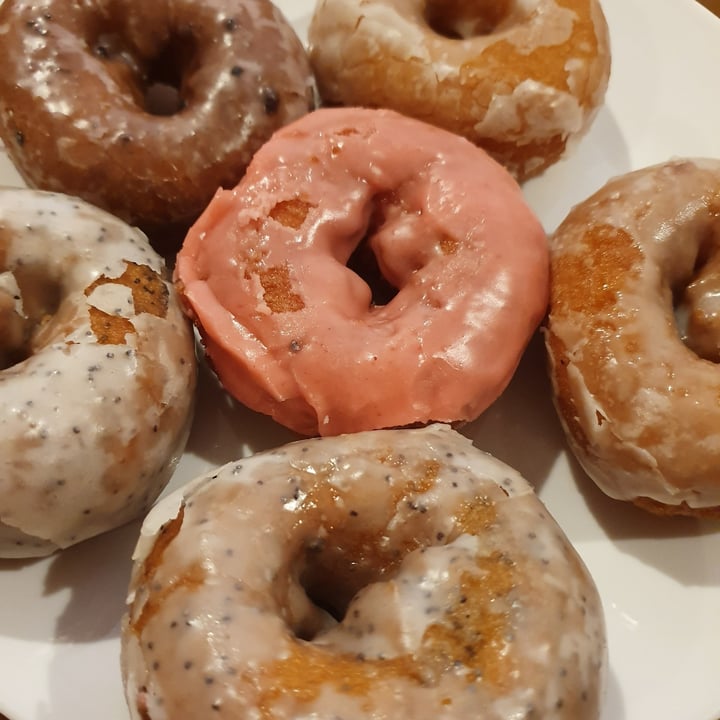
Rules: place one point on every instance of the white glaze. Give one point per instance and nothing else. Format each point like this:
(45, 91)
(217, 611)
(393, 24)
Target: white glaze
(217, 600)
(532, 108)
(90, 431)
(488, 87)
(644, 419)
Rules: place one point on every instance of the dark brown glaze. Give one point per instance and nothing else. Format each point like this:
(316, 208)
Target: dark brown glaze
(145, 109)
(97, 373)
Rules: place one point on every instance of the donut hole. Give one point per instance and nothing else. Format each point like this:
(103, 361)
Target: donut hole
(463, 19)
(14, 348)
(332, 573)
(363, 260)
(156, 82)
(331, 579)
(25, 312)
(363, 263)
(163, 99)
(164, 93)
(696, 301)
(325, 596)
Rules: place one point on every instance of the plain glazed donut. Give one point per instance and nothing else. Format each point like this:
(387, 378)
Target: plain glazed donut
(97, 373)
(520, 78)
(386, 574)
(268, 274)
(81, 107)
(634, 270)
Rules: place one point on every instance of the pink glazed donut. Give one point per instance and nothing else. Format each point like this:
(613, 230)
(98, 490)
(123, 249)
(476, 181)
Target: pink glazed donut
(369, 271)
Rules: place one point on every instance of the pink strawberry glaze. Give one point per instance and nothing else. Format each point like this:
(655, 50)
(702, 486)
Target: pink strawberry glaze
(293, 332)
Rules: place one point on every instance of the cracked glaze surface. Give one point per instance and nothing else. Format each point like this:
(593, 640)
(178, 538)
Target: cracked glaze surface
(459, 596)
(635, 270)
(519, 78)
(97, 373)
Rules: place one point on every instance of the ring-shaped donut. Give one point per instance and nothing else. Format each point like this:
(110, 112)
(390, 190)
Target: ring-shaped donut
(97, 373)
(520, 78)
(146, 108)
(279, 275)
(633, 336)
(387, 574)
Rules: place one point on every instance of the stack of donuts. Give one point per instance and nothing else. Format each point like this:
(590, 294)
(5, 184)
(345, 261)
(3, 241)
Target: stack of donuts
(368, 274)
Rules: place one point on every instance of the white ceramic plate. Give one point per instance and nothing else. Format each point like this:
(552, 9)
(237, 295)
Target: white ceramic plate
(659, 580)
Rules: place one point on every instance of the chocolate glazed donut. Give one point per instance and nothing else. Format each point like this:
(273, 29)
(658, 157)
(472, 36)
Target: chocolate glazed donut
(145, 108)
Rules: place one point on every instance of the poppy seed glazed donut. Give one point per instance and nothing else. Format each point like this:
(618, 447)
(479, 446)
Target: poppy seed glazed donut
(386, 574)
(280, 275)
(520, 78)
(82, 108)
(633, 336)
(97, 373)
